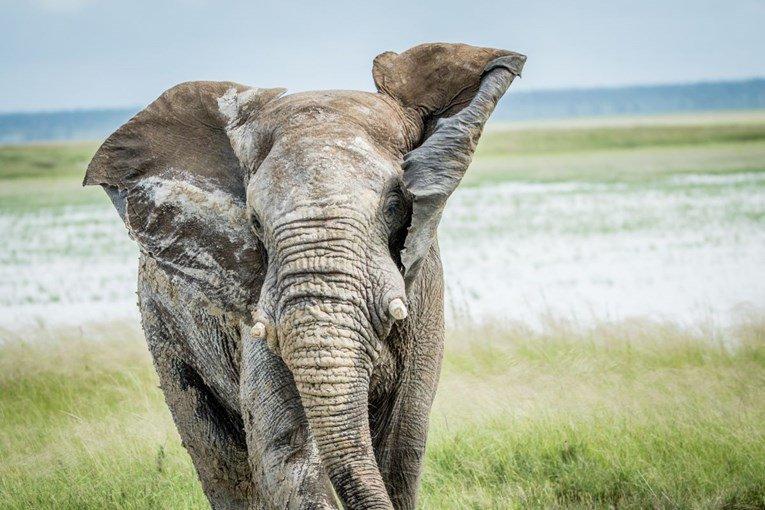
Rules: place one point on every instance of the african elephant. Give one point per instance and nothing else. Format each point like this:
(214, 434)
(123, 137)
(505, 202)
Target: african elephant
(290, 285)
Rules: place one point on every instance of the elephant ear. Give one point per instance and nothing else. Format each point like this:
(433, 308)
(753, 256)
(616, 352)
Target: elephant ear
(174, 179)
(454, 89)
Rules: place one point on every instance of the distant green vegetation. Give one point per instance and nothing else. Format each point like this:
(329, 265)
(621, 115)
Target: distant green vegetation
(44, 176)
(620, 153)
(541, 152)
(634, 152)
(631, 415)
(650, 164)
(30, 195)
(59, 161)
(535, 140)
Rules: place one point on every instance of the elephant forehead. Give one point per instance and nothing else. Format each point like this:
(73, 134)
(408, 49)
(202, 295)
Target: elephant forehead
(338, 173)
(343, 155)
(379, 117)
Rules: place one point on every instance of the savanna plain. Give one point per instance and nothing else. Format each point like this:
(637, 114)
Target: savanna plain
(605, 349)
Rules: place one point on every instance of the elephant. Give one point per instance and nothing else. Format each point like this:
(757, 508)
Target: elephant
(290, 286)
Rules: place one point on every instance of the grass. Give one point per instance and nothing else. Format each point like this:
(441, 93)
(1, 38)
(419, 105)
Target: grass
(58, 160)
(39, 176)
(564, 139)
(629, 415)
(641, 165)
(85, 426)
(23, 196)
(641, 152)
(638, 150)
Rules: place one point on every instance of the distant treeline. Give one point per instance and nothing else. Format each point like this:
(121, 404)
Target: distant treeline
(548, 104)
(62, 125)
(635, 100)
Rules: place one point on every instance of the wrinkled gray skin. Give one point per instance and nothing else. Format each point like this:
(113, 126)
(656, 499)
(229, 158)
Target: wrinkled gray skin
(308, 213)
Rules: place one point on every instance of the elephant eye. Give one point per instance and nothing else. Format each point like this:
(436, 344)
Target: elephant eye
(255, 222)
(393, 207)
(396, 212)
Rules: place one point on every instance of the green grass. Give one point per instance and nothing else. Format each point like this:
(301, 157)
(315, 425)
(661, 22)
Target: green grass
(47, 194)
(60, 160)
(642, 165)
(46, 176)
(84, 425)
(643, 150)
(498, 143)
(630, 415)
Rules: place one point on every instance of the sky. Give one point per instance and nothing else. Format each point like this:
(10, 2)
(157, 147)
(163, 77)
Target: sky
(67, 54)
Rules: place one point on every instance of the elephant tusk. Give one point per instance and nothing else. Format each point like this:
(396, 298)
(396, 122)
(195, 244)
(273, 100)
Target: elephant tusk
(397, 309)
(258, 330)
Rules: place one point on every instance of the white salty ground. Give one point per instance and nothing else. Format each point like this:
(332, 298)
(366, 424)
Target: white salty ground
(685, 249)
(689, 250)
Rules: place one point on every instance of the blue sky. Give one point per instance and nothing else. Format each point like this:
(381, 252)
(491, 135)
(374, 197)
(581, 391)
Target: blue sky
(87, 53)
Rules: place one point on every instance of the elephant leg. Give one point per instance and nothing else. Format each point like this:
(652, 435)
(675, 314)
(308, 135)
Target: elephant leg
(286, 468)
(212, 434)
(400, 421)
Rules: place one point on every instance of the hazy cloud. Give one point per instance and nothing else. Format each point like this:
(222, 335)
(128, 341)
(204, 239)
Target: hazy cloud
(89, 53)
(62, 5)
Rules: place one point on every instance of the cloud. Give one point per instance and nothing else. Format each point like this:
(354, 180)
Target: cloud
(63, 5)
(76, 5)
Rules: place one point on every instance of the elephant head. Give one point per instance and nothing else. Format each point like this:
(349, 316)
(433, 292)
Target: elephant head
(312, 211)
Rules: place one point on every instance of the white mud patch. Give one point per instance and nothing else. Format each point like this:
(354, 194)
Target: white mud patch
(66, 267)
(686, 249)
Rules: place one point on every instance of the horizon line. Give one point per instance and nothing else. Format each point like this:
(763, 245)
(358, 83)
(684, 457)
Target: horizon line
(517, 93)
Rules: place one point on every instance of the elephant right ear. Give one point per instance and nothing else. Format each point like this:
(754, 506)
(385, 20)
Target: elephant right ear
(454, 89)
(175, 180)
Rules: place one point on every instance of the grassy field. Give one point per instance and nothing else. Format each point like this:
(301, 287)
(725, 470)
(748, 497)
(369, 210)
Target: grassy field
(627, 413)
(41, 175)
(619, 153)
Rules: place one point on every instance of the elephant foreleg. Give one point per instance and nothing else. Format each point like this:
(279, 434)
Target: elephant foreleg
(284, 459)
(400, 421)
(213, 436)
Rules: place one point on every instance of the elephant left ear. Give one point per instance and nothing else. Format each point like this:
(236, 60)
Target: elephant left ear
(175, 180)
(454, 88)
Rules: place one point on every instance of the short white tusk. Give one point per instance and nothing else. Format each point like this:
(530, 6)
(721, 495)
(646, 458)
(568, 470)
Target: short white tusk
(397, 309)
(258, 330)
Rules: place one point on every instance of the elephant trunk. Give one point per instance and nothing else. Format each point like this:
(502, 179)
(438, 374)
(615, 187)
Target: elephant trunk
(328, 344)
(334, 396)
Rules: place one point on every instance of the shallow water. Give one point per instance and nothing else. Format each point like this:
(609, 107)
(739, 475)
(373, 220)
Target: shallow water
(683, 249)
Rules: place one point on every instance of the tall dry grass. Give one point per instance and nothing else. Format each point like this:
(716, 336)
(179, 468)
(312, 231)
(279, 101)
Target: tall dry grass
(631, 415)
